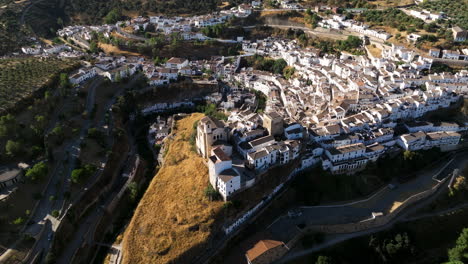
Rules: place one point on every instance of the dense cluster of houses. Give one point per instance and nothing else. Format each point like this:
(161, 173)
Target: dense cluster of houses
(218, 66)
(159, 130)
(113, 68)
(255, 142)
(340, 22)
(348, 106)
(186, 25)
(59, 50)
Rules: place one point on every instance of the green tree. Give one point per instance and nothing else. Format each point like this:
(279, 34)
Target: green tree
(211, 193)
(40, 121)
(96, 134)
(55, 213)
(288, 72)
(323, 260)
(38, 171)
(7, 125)
(113, 16)
(13, 148)
(93, 47)
(18, 221)
(64, 81)
(80, 174)
(459, 254)
(58, 133)
(60, 21)
(133, 189)
(279, 65)
(77, 175)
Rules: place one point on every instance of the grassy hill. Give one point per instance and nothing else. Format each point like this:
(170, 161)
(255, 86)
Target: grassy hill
(174, 215)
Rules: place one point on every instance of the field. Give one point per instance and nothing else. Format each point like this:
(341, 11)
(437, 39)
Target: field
(20, 78)
(174, 215)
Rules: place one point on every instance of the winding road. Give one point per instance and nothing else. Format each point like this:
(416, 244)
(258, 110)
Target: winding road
(405, 216)
(61, 176)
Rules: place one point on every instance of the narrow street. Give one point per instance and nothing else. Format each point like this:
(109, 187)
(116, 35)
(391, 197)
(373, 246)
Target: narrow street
(86, 230)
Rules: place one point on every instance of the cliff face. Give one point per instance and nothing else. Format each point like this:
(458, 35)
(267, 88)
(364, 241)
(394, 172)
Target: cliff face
(174, 216)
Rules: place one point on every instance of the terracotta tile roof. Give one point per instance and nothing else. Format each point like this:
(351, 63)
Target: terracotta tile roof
(261, 247)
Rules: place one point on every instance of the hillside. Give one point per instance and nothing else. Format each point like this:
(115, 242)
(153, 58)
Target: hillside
(174, 216)
(21, 78)
(20, 20)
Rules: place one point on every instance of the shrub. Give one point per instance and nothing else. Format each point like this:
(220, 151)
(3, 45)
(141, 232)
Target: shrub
(55, 213)
(211, 193)
(38, 171)
(18, 221)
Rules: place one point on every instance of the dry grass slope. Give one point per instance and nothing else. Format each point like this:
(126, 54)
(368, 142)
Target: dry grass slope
(174, 214)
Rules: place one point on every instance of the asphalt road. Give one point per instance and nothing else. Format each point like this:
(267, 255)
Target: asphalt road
(61, 176)
(128, 35)
(86, 229)
(458, 162)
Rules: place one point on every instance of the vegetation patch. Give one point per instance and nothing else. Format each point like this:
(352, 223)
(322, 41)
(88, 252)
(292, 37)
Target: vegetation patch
(392, 17)
(20, 78)
(456, 10)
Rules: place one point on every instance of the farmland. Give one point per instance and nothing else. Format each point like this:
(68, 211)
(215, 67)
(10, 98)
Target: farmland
(21, 78)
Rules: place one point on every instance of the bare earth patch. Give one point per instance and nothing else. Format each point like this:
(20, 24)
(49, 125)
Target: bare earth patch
(111, 49)
(395, 206)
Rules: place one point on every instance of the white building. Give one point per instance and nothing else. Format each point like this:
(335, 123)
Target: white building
(223, 177)
(83, 75)
(176, 63)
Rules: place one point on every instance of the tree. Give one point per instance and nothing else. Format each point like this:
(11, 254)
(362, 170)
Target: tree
(60, 21)
(133, 189)
(288, 72)
(58, 133)
(96, 134)
(323, 260)
(93, 47)
(38, 171)
(118, 77)
(55, 213)
(459, 254)
(13, 148)
(64, 81)
(77, 175)
(7, 125)
(40, 122)
(113, 16)
(18, 221)
(211, 193)
(279, 65)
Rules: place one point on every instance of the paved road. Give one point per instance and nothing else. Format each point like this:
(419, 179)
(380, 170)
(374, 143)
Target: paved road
(284, 228)
(60, 182)
(86, 229)
(128, 35)
(459, 161)
(356, 212)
